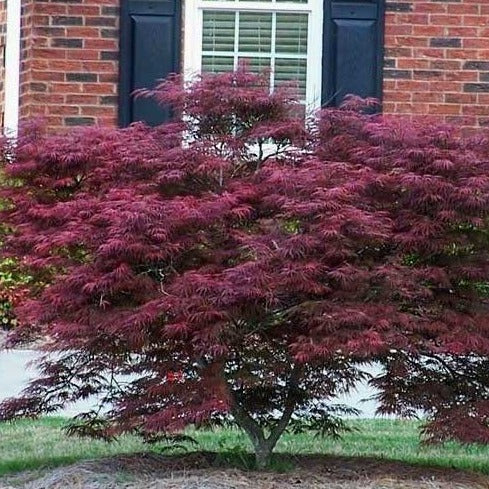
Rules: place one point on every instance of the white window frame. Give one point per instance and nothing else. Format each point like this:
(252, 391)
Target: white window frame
(193, 22)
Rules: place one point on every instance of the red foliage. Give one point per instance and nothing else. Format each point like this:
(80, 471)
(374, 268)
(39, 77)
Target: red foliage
(252, 270)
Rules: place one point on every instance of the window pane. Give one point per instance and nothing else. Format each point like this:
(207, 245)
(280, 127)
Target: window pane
(255, 65)
(291, 33)
(255, 32)
(291, 1)
(294, 70)
(218, 31)
(254, 43)
(217, 64)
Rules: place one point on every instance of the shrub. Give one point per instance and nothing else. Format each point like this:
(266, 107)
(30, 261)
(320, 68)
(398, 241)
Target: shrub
(13, 290)
(14, 281)
(239, 266)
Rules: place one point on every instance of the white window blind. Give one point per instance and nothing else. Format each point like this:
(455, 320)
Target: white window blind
(282, 36)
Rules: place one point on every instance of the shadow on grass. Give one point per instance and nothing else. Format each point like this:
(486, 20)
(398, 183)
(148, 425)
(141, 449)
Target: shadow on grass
(32, 463)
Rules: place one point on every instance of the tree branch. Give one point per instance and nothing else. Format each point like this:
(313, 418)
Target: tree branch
(244, 419)
(253, 428)
(289, 408)
(248, 423)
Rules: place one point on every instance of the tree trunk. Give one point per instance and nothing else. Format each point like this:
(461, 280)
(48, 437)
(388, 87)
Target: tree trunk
(264, 446)
(263, 455)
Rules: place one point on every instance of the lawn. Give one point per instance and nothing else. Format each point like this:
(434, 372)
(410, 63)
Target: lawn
(35, 444)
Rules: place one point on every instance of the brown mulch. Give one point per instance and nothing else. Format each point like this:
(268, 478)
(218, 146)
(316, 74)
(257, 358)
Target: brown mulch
(201, 471)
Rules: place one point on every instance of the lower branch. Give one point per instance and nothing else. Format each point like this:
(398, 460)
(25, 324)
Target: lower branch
(289, 407)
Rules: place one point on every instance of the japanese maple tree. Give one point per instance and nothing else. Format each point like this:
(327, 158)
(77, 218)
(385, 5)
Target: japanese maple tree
(240, 265)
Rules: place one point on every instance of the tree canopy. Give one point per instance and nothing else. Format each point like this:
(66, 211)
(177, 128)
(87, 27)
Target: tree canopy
(243, 265)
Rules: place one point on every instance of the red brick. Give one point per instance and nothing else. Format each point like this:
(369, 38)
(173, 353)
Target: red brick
(52, 8)
(460, 98)
(83, 32)
(64, 109)
(427, 97)
(82, 54)
(99, 88)
(445, 109)
(81, 100)
(95, 110)
(474, 109)
(83, 10)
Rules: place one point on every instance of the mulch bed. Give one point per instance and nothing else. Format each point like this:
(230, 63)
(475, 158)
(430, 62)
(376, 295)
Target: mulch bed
(203, 471)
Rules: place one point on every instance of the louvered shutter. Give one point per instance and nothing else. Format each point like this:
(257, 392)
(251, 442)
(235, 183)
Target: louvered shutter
(352, 49)
(150, 50)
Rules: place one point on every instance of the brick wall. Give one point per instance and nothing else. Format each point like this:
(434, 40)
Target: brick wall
(26, 60)
(3, 29)
(437, 59)
(69, 68)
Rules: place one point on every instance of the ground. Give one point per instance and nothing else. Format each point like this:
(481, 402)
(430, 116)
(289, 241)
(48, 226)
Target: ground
(381, 454)
(204, 471)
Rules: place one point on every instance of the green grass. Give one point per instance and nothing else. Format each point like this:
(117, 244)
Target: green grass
(34, 444)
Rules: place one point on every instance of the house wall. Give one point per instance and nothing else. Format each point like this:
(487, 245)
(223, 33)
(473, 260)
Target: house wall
(436, 60)
(26, 58)
(69, 68)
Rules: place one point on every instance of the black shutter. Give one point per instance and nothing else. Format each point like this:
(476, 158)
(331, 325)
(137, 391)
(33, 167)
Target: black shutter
(150, 50)
(352, 49)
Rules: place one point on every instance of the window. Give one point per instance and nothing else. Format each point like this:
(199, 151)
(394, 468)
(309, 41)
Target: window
(283, 36)
(329, 47)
